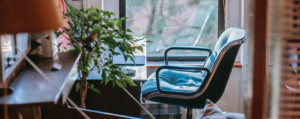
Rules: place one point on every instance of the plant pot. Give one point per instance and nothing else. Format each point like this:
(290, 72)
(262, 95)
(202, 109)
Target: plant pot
(112, 100)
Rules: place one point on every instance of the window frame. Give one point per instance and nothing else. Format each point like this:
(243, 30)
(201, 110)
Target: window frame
(221, 28)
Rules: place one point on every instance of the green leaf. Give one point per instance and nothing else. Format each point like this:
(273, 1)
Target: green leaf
(59, 44)
(128, 30)
(92, 86)
(123, 18)
(129, 37)
(132, 59)
(77, 86)
(71, 8)
(140, 48)
(98, 7)
(90, 61)
(129, 81)
(96, 90)
(58, 33)
(148, 41)
(102, 81)
(78, 69)
(113, 83)
(114, 66)
(75, 23)
(122, 83)
(103, 76)
(81, 8)
(107, 80)
(86, 73)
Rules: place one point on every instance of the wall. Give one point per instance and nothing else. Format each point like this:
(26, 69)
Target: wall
(108, 5)
(234, 17)
(112, 5)
(247, 55)
(75, 4)
(85, 3)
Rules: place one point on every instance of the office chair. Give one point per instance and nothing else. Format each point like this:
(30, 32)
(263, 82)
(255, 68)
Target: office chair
(188, 86)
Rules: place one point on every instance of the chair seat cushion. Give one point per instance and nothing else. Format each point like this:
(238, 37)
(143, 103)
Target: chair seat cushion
(184, 81)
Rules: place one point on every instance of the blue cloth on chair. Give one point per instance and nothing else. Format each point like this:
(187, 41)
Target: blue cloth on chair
(187, 81)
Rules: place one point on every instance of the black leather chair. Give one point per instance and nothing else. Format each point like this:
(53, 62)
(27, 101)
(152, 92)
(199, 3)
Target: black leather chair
(189, 87)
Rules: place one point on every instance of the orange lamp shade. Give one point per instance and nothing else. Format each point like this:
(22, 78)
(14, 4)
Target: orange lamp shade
(29, 16)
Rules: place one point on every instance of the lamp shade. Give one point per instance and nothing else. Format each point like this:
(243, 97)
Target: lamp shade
(29, 16)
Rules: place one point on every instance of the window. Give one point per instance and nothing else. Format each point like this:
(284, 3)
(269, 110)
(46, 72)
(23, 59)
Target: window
(8, 49)
(173, 23)
(12, 49)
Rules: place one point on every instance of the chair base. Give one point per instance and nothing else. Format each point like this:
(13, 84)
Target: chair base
(189, 114)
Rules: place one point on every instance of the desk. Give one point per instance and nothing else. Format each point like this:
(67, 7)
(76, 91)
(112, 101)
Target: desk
(31, 89)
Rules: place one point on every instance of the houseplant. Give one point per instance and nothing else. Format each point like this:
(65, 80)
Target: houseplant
(94, 33)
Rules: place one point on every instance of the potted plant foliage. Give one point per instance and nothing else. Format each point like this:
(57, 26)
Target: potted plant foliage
(94, 33)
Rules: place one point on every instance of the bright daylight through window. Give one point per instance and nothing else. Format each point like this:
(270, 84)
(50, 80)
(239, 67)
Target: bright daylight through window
(174, 23)
(7, 49)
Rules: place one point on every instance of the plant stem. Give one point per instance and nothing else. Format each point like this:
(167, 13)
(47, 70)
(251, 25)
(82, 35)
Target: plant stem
(83, 90)
(87, 58)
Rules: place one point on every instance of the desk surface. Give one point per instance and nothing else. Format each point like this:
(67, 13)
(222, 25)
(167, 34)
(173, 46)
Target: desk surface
(30, 88)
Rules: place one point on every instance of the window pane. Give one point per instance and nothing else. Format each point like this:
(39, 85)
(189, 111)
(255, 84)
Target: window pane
(8, 49)
(173, 23)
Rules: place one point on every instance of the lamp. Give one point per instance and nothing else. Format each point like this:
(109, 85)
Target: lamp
(29, 16)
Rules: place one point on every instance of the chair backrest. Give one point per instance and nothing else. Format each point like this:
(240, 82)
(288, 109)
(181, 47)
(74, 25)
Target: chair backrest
(221, 62)
(228, 37)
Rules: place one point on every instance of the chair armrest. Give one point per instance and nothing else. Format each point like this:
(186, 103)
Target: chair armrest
(177, 67)
(184, 48)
